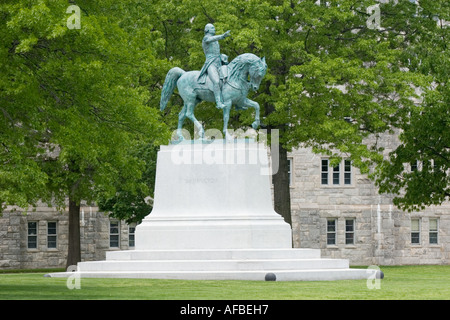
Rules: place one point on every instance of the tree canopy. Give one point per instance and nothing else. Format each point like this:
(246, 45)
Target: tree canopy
(78, 106)
(417, 172)
(333, 80)
(75, 103)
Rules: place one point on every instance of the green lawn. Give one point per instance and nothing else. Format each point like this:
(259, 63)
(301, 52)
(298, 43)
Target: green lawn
(400, 282)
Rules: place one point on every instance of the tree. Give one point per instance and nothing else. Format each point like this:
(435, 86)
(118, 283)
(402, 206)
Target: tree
(74, 103)
(332, 80)
(133, 206)
(77, 105)
(417, 171)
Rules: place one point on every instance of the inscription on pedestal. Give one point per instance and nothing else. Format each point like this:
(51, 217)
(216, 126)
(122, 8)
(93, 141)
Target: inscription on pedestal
(198, 180)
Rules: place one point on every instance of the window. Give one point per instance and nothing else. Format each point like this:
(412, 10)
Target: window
(347, 172)
(336, 175)
(32, 235)
(414, 166)
(350, 231)
(341, 174)
(435, 165)
(51, 235)
(324, 171)
(114, 234)
(331, 231)
(131, 231)
(433, 235)
(415, 231)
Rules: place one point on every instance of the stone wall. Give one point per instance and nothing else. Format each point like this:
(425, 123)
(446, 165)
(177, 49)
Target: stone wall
(14, 250)
(382, 232)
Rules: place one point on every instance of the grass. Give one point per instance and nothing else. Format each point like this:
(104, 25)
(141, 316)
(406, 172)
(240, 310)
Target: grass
(400, 282)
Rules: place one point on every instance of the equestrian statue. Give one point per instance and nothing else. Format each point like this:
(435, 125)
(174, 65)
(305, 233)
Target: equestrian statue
(218, 81)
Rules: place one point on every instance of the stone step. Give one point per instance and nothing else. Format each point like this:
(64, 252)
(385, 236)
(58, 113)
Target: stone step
(259, 275)
(221, 254)
(213, 265)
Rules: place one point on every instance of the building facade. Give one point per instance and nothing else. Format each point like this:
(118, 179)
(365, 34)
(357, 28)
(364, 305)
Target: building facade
(339, 210)
(39, 239)
(335, 209)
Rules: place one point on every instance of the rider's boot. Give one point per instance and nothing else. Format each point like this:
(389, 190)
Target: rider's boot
(217, 95)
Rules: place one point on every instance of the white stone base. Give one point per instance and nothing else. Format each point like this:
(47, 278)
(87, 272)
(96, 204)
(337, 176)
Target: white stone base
(213, 196)
(213, 219)
(222, 264)
(213, 233)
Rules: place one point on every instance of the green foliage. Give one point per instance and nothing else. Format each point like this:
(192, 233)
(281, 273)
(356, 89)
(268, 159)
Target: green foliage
(76, 104)
(91, 94)
(425, 144)
(133, 206)
(332, 81)
(425, 136)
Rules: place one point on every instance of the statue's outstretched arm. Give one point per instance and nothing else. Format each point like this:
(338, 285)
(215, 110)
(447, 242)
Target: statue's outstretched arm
(217, 38)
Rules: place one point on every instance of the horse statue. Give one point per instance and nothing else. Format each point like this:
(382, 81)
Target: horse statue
(243, 73)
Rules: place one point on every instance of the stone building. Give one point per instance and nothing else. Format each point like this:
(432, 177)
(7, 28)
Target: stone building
(39, 239)
(339, 211)
(335, 209)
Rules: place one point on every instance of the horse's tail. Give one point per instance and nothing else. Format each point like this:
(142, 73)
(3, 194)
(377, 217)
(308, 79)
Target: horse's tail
(169, 85)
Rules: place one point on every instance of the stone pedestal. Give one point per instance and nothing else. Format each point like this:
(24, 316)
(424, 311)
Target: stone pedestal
(213, 219)
(213, 196)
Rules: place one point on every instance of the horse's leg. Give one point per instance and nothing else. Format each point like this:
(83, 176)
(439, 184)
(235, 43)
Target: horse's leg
(252, 104)
(181, 117)
(190, 115)
(226, 118)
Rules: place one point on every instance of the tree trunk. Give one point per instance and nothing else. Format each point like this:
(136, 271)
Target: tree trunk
(280, 180)
(74, 251)
(281, 189)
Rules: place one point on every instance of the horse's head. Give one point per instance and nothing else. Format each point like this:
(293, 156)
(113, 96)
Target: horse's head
(257, 71)
(247, 66)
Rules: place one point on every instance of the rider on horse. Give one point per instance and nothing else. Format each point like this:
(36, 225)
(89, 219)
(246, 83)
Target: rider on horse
(213, 62)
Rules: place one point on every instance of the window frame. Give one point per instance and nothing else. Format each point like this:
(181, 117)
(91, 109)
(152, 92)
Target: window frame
(32, 235)
(324, 173)
(348, 173)
(435, 232)
(337, 175)
(352, 232)
(340, 176)
(331, 234)
(55, 235)
(416, 234)
(414, 166)
(132, 242)
(114, 234)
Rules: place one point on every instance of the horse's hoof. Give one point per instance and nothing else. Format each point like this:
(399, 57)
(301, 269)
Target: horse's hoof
(255, 125)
